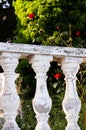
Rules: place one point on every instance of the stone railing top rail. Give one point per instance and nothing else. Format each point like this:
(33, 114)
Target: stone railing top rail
(28, 49)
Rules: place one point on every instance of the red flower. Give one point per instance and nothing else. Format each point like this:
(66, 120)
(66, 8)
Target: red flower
(57, 76)
(31, 16)
(78, 33)
(58, 27)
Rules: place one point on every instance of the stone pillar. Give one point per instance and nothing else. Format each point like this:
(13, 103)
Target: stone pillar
(1, 93)
(71, 103)
(1, 83)
(42, 102)
(9, 101)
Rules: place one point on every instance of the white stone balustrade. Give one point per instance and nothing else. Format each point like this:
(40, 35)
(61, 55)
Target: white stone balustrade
(40, 58)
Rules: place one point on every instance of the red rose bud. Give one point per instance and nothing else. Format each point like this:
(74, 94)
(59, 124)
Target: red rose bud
(57, 76)
(58, 27)
(78, 33)
(31, 16)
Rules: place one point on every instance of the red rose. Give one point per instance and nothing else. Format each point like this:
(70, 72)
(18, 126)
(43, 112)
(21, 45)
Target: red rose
(57, 76)
(78, 33)
(58, 27)
(31, 16)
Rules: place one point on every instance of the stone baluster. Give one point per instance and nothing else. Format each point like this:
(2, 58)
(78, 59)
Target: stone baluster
(1, 83)
(9, 101)
(71, 103)
(1, 92)
(42, 102)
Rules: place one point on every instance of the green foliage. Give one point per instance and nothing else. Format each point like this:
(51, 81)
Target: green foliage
(26, 89)
(40, 29)
(48, 16)
(27, 117)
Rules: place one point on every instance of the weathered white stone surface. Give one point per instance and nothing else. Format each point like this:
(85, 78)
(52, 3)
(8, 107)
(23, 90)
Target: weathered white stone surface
(27, 49)
(1, 83)
(9, 101)
(40, 58)
(71, 103)
(42, 102)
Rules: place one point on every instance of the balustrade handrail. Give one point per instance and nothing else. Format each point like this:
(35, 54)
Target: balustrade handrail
(29, 49)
